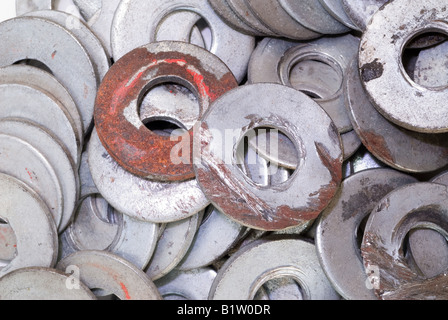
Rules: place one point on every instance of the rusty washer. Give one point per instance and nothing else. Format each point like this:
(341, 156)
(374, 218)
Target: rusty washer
(129, 142)
(414, 206)
(309, 189)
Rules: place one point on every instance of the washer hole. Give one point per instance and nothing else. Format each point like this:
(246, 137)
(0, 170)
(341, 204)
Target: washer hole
(102, 295)
(162, 126)
(281, 283)
(429, 72)
(88, 233)
(206, 33)
(36, 64)
(273, 149)
(316, 78)
(360, 233)
(426, 251)
(8, 243)
(167, 107)
(174, 296)
(282, 288)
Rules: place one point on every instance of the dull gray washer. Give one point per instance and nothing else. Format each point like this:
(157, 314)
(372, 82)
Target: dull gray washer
(32, 223)
(335, 238)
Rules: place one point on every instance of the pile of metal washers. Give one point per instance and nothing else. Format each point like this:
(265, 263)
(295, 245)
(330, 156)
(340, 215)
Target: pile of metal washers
(224, 149)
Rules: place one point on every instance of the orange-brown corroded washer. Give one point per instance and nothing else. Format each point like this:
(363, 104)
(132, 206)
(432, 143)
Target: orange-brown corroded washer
(136, 148)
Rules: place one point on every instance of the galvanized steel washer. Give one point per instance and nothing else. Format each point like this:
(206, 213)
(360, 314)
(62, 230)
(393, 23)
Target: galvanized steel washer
(268, 259)
(409, 207)
(236, 195)
(380, 62)
(399, 148)
(335, 238)
(57, 156)
(231, 46)
(29, 38)
(107, 271)
(152, 201)
(37, 283)
(32, 223)
(117, 121)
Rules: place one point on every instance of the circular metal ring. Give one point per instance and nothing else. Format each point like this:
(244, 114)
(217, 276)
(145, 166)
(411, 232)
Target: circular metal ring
(409, 207)
(338, 224)
(32, 223)
(232, 192)
(153, 201)
(399, 148)
(124, 136)
(269, 259)
(380, 62)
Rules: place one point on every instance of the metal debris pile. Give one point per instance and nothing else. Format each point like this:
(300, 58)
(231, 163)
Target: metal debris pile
(224, 149)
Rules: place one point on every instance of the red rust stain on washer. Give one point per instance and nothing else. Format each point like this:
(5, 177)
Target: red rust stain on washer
(376, 144)
(144, 153)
